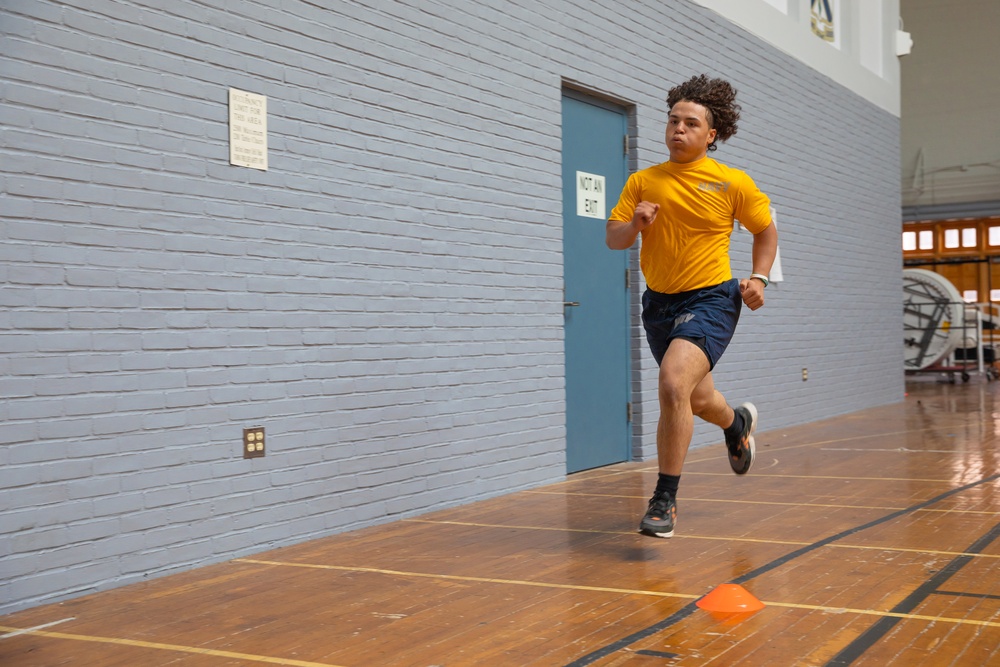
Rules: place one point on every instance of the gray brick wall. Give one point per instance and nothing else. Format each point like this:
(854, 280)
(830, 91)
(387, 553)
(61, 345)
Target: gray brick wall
(386, 298)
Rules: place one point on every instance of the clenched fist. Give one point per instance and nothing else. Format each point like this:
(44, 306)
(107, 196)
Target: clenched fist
(752, 292)
(644, 215)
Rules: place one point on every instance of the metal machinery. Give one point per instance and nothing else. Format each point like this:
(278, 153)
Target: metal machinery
(936, 323)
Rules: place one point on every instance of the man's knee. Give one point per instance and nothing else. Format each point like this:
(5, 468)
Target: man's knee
(674, 392)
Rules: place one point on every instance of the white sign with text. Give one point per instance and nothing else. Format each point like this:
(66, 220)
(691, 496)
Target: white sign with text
(247, 129)
(589, 195)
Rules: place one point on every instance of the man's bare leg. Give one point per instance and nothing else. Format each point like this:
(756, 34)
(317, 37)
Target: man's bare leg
(684, 372)
(708, 404)
(683, 369)
(686, 390)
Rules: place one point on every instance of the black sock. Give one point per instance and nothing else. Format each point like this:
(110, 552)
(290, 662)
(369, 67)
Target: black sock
(736, 428)
(668, 483)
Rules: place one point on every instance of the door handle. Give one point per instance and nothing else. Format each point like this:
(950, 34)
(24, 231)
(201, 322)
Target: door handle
(567, 304)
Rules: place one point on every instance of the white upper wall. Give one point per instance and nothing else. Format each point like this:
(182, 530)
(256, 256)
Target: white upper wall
(861, 57)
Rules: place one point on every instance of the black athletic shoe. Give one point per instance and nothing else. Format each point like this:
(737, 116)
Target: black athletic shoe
(660, 517)
(741, 449)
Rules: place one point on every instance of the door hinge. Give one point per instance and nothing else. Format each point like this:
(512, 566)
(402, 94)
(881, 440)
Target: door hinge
(628, 412)
(628, 278)
(625, 144)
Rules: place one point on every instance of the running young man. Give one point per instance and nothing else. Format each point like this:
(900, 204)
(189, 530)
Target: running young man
(684, 209)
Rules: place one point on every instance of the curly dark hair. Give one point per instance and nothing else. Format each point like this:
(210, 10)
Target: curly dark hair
(719, 99)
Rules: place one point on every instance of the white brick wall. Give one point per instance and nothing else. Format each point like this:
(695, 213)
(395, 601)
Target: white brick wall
(386, 299)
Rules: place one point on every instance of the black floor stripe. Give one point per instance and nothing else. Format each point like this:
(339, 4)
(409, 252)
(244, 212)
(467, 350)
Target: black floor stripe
(880, 628)
(753, 574)
(676, 617)
(658, 654)
(966, 594)
(690, 608)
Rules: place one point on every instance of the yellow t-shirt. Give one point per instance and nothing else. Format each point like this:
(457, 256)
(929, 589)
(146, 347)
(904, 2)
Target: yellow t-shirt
(687, 246)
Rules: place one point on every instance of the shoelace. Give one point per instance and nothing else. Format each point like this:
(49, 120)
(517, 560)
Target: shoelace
(659, 505)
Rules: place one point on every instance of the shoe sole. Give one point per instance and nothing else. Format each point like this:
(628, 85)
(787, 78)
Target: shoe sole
(752, 409)
(654, 533)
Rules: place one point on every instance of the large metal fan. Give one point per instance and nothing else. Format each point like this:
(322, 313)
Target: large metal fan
(933, 318)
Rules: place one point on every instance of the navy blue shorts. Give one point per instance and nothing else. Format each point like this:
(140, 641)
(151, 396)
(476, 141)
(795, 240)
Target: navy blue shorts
(707, 317)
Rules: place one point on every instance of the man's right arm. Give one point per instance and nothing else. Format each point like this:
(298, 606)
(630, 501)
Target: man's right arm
(621, 235)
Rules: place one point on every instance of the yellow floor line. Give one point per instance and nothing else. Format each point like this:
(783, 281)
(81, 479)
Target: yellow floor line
(885, 614)
(929, 552)
(785, 448)
(851, 478)
(473, 524)
(626, 591)
(593, 474)
(168, 647)
(743, 501)
(483, 580)
(723, 538)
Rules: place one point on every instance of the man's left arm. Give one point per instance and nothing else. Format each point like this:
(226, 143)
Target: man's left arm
(765, 247)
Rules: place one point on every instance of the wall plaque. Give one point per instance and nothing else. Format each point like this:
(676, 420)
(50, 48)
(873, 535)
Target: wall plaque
(247, 129)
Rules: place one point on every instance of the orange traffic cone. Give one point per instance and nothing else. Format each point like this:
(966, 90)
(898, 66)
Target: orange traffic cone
(730, 599)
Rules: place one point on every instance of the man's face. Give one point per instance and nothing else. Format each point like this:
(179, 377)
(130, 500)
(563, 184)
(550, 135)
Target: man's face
(688, 132)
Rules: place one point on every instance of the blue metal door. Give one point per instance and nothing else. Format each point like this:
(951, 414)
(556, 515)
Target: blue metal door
(596, 296)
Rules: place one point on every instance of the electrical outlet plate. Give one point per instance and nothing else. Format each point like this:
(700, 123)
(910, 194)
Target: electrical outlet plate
(253, 442)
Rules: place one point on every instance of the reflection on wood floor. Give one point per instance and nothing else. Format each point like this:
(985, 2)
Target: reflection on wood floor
(871, 539)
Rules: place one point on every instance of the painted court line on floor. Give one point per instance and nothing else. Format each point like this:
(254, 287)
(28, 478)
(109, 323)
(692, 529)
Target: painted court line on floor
(601, 473)
(898, 450)
(604, 589)
(168, 647)
(764, 449)
(851, 478)
(740, 501)
(931, 586)
(690, 608)
(26, 631)
(687, 536)
(563, 529)
(770, 449)
(456, 577)
(743, 501)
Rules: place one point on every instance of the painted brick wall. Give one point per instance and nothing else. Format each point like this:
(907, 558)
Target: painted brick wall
(386, 298)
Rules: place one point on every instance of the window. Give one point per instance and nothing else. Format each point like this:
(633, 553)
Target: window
(970, 295)
(965, 237)
(994, 236)
(909, 241)
(995, 295)
(927, 239)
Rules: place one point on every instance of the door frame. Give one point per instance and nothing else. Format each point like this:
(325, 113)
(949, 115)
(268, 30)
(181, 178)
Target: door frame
(630, 314)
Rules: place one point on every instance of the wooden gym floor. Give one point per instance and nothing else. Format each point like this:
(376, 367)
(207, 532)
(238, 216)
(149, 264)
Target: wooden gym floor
(872, 539)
